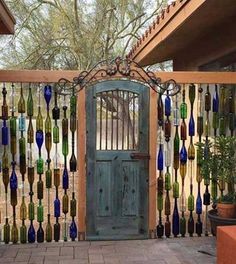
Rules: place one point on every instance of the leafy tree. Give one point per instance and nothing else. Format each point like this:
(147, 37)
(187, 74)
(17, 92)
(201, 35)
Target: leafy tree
(74, 34)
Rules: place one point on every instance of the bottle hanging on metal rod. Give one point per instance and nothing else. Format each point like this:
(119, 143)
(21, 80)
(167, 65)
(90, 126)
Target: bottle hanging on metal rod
(40, 168)
(175, 220)
(13, 178)
(5, 162)
(48, 145)
(56, 170)
(30, 169)
(73, 164)
(167, 129)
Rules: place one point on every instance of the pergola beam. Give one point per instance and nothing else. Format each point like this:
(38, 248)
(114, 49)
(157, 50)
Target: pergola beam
(47, 76)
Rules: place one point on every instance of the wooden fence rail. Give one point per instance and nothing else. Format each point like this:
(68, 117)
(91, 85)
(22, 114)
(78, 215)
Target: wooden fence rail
(48, 76)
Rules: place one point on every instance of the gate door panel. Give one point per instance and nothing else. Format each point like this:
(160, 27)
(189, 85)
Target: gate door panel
(117, 119)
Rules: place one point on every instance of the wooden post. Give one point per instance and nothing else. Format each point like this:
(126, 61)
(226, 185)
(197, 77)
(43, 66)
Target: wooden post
(152, 164)
(81, 147)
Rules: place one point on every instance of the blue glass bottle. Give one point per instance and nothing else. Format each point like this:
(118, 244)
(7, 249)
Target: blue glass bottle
(47, 94)
(57, 208)
(199, 204)
(167, 105)
(160, 163)
(13, 180)
(191, 126)
(73, 230)
(31, 234)
(175, 221)
(4, 134)
(65, 178)
(39, 139)
(21, 123)
(183, 154)
(215, 102)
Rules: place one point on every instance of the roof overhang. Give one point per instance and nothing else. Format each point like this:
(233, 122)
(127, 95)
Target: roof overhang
(180, 25)
(7, 21)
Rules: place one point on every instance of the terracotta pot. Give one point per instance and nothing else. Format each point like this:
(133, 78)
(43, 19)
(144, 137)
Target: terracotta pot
(219, 221)
(226, 210)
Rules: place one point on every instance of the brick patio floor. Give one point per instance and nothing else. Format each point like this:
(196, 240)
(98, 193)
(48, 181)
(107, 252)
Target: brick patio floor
(164, 251)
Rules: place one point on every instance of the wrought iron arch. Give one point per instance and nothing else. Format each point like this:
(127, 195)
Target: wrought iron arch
(117, 69)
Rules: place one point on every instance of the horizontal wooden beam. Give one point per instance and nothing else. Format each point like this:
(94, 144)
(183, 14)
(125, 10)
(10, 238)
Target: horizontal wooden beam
(199, 77)
(46, 76)
(36, 76)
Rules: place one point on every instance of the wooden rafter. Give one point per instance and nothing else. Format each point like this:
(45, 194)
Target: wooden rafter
(44, 76)
(7, 21)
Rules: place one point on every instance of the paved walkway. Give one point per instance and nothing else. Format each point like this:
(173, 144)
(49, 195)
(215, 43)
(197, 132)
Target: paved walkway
(166, 251)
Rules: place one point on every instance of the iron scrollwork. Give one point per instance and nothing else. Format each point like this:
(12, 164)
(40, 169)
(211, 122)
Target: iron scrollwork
(117, 68)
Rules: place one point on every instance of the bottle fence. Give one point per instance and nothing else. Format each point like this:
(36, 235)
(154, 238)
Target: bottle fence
(39, 166)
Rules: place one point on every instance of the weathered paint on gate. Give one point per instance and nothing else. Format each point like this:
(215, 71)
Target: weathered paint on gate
(117, 180)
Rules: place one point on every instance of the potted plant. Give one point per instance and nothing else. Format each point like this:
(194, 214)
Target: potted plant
(226, 206)
(217, 162)
(224, 158)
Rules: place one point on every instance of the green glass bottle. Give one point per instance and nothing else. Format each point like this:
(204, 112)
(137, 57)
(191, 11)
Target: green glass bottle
(207, 100)
(6, 232)
(56, 137)
(4, 104)
(14, 233)
(22, 151)
(48, 136)
(176, 189)
(191, 202)
(65, 204)
(39, 120)
(40, 213)
(21, 102)
(30, 132)
(183, 110)
(23, 210)
(13, 134)
(167, 181)
(48, 178)
(65, 136)
(40, 165)
(73, 102)
(48, 230)
(31, 210)
(30, 103)
(23, 234)
(192, 93)
(176, 150)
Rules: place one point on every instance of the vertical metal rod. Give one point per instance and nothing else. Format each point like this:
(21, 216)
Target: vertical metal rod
(117, 116)
(100, 121)
(112, 96)
(133, 120)
(123, 118)
(106, 119)
(128, 117)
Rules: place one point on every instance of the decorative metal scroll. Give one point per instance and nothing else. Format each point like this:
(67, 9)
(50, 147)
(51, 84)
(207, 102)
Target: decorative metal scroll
(117, 68)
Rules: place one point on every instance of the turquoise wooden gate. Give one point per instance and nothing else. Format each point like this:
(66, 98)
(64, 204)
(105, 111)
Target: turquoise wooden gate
(117, 120)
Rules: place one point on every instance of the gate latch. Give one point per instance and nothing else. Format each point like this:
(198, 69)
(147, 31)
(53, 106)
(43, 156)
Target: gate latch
(140, 156)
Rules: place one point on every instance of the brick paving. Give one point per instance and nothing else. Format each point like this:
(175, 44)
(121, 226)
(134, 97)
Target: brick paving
(162, 251)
